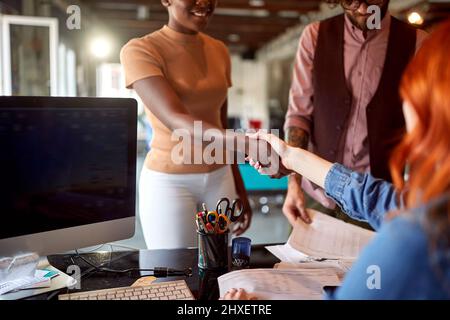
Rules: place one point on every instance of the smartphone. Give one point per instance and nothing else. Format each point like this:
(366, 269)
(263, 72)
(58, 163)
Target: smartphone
(329, 290)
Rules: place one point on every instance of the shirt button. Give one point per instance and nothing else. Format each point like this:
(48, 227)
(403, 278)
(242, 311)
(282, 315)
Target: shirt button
(332, 152)
(339, 128)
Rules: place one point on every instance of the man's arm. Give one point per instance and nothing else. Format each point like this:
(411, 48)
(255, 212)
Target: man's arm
(294, 205)
(299, 117)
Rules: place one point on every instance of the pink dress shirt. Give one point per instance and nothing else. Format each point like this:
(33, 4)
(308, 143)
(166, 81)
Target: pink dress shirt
(363, 63)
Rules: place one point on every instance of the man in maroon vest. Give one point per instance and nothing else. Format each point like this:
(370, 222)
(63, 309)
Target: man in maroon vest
(344, 100)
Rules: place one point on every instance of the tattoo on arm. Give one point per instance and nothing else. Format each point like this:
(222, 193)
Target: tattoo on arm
(297, 137)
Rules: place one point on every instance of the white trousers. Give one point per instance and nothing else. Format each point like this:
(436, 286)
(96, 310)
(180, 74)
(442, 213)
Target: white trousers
(168, 204)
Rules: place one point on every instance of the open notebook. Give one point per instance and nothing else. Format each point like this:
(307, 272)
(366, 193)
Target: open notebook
(280, 283)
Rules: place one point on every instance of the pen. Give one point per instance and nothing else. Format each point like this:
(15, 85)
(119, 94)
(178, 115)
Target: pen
(201, 223)
(202, 216)
(198, 226)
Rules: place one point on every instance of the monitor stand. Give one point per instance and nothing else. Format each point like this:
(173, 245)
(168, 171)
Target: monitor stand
(61, 281)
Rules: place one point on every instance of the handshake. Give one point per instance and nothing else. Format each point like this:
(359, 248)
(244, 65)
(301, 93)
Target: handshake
(269, 154)
(276, 158)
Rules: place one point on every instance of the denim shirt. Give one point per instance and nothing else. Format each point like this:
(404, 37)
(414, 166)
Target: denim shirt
(398, 263)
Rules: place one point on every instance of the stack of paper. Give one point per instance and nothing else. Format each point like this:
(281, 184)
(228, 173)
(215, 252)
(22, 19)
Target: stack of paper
(41, 279)
(315, 256)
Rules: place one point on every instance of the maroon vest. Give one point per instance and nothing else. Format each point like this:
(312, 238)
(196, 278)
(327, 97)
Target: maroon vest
(333, 100)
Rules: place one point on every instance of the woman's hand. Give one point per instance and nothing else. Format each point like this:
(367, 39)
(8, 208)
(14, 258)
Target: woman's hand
(238, 294)
(303, 162)
(280, 147)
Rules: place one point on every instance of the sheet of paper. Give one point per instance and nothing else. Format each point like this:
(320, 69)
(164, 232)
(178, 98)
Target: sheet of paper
(334, 265)
(287, 254)
(21, 283)
(45, 281)
(57, 282)
(280, 284)
(329, 238)
(144, 281)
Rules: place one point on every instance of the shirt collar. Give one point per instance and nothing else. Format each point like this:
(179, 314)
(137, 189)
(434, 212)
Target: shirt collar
(358, 34)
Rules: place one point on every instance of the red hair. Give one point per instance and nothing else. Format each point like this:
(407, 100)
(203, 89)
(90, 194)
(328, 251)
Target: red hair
(426, 150)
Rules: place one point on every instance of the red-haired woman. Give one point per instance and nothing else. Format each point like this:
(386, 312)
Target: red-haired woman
(410, 256)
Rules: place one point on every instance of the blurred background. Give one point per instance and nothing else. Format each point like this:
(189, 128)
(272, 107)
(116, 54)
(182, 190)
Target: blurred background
(71, 48)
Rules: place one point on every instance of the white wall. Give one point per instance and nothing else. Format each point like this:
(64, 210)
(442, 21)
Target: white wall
(248, 97)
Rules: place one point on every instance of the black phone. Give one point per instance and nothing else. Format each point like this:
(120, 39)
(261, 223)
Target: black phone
(329, 290)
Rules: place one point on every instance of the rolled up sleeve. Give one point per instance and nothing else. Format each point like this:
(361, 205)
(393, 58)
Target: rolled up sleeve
(361, 196)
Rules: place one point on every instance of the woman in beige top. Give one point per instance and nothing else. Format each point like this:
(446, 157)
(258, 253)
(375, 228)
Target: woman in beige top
(182, 76)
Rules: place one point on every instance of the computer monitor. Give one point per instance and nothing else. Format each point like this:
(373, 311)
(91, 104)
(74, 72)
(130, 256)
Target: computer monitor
(67, 173)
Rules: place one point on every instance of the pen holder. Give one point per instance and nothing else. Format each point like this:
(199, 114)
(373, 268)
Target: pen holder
(212, 251)
(208, 287)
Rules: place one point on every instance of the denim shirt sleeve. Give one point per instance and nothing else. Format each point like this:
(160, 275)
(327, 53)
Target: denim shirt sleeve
(360, 195)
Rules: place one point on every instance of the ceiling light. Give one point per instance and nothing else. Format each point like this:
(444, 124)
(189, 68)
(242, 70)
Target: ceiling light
(143, 12)
(257, 3)
(234, 37)
(100, 47)
(415, 18)
(288, 14)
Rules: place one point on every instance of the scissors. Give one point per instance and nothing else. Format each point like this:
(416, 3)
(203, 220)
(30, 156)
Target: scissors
(222, 224)
(233, 212)
(218, 223)
(212, 217)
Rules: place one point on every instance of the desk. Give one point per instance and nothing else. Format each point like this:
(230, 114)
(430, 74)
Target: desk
(202, 284)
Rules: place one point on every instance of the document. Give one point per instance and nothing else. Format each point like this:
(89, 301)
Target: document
(329, 238)
(339, 267)
(281, 284)
(316, 255)
(23, 283)
(288, 254)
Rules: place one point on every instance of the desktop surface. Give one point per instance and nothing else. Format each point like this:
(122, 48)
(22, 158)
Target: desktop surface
(203, 284)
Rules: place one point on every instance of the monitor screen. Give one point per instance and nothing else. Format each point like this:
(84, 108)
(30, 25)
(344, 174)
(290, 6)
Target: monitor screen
(65, 165)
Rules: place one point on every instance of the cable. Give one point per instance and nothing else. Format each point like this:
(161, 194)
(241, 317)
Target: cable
(111, 245)
(92, 250)
(123, 246)
(159, 272)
